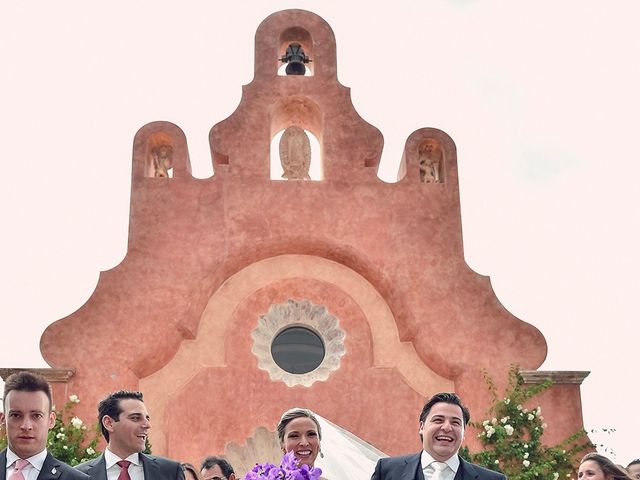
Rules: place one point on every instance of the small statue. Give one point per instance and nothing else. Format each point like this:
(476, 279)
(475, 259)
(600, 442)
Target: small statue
(295, 154)
(161, 157)
(431, 160)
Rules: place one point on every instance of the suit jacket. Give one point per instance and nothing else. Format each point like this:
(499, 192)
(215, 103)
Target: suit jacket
(408, 468)
(155, 468)
(52, 469)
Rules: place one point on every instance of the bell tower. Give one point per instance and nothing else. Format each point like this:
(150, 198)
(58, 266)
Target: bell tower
(242, 296)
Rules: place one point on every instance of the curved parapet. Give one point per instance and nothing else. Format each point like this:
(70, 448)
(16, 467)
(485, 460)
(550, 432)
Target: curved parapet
(217, 268)
(429, 157)
(281, 29)
(160, 151)
(350, 147)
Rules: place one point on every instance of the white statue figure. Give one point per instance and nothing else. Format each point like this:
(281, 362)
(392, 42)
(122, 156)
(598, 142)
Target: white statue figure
(431, 161)
(295, 154)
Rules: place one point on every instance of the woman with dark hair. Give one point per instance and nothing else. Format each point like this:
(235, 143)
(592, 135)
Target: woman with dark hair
(594, 466)
(299, 432)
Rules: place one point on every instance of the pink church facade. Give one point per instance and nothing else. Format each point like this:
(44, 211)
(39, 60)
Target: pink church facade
(217, 268)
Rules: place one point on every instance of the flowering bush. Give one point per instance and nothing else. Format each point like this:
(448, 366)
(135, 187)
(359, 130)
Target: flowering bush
(288, 470)
(68, 439)
(511, 438)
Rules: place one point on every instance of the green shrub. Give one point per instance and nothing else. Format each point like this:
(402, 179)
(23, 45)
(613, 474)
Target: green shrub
(512, 437)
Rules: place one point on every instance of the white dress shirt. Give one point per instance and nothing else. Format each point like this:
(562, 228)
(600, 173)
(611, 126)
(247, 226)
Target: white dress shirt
(136, 471)
(31, 471)
(448, 473)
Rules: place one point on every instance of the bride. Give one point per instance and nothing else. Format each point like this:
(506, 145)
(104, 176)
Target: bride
(299, 432)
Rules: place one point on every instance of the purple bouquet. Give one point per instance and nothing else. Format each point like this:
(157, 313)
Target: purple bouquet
(288, 470)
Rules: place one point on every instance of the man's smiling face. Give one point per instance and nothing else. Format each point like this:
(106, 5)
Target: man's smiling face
(442, 431)
(128, 433)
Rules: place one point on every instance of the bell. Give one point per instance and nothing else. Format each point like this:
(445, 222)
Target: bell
(295, 68)
(295, 58)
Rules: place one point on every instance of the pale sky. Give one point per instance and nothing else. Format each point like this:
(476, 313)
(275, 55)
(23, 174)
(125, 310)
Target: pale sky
(541, 99)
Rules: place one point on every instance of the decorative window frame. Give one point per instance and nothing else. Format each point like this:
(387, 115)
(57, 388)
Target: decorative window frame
(305, 314)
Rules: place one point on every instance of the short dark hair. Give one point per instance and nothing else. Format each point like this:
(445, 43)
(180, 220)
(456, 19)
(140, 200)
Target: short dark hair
(293, 414)
(609, 468)
(212, 461)
(445, 397)
(110, 407)
(634, 462)
(27, 382)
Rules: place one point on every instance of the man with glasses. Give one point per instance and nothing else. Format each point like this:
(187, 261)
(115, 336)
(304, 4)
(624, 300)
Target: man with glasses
(216, 468)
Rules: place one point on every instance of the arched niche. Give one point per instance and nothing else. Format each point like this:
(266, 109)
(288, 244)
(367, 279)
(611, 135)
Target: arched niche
(429, 158)
(304, 113)
(311, 31)
(300, 36)
(278, 163)
(159, 157)
(431, 161)
(160, 152)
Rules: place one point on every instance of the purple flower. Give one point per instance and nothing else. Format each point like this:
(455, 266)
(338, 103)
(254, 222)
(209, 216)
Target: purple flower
(288, 470)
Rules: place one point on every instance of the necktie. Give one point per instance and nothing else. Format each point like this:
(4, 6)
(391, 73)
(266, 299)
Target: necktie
(124, 469)
(17, 472)
(438, 469)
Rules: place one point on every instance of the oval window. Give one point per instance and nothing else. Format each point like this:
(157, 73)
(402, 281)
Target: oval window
(297, 350)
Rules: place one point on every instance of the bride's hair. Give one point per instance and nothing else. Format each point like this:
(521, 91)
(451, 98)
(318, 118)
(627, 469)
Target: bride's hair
(292, 414)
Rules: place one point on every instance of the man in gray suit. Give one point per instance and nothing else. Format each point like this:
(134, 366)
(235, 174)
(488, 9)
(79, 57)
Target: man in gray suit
(442, 423)
(124, 422)
(28, 417)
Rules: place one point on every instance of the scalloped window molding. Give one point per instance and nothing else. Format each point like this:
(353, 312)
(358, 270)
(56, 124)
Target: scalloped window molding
(303, 314)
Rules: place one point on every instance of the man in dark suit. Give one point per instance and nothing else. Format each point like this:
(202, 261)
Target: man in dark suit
(28, 417)
(124, 422)
(442, 423)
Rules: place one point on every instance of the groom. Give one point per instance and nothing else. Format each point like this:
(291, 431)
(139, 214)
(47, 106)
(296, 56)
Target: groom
(442, 423)
(124, 422)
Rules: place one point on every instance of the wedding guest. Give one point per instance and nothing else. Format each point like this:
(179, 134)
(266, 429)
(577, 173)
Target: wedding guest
(441, 429)
(190, 472)
(125, 423)
(217, 468)
(634, 468)
(299, 432)
(27, 417)
(594, 466)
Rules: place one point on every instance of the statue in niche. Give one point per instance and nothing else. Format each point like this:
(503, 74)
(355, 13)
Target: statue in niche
(162, 161)
(295, 154)
(431, 158)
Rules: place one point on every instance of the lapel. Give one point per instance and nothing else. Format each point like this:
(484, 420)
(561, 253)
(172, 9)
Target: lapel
(50, 468)
(149, 466)
(466, 471)
(412, 469)
(98, 471)
(3, 464)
